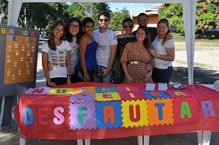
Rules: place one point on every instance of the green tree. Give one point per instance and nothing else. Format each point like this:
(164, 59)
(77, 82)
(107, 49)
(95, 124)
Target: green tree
(207, 15)
(34, 15)
(174, 13)
(117, 18)
(42, 15)
(82, 10)
(76, 10)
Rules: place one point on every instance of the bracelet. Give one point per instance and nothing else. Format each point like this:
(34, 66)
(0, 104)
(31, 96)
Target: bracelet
(158, 55)
(68, 75)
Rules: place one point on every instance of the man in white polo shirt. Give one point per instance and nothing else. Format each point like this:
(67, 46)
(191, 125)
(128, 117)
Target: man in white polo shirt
(106, 51)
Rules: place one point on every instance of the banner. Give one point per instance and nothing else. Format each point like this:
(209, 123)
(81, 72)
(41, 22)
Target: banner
(95, 111)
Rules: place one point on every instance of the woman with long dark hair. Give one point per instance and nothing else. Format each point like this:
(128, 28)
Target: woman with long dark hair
(56, 57)
(163, 49)
(88, 47)
(136, 60)
(73, 34)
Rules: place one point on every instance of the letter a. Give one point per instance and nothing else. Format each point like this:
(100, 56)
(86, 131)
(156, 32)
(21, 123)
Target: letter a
(185, 110)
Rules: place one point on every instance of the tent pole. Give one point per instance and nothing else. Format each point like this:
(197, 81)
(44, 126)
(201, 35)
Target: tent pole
(10, 8)
(189, 13)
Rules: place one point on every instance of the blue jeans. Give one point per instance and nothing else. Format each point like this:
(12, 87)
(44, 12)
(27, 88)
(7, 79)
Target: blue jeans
(107, 79)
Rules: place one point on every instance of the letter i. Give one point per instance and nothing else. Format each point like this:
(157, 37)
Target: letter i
(131, 94)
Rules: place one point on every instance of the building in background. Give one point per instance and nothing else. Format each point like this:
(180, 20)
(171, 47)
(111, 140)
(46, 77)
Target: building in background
(153, 16)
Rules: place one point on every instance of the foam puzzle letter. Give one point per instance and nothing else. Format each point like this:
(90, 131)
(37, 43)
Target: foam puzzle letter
(28, 116)
(134, 113)
(207, 106)
(81, 115)
(185, 110)
(59, 118)
(42, 115)
(160, 110)
(109, 114)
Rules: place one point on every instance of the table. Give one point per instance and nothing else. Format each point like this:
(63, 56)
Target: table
(196, 97)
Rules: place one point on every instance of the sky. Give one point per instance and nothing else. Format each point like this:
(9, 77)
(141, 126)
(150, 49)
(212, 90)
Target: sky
(136, 7)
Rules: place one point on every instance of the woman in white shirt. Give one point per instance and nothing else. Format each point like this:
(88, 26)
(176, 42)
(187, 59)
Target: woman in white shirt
(73, 33)
(56, 57)
(163, 49)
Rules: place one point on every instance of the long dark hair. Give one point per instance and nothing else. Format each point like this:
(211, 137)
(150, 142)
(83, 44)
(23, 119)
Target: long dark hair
(166, 22)
(68, 34)
(87, 20)
(147, 41)
(51, 41)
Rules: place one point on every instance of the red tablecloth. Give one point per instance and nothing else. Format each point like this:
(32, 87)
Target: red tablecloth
(202, 102)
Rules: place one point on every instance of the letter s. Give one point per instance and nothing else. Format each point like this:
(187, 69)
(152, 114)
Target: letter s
(59, 118)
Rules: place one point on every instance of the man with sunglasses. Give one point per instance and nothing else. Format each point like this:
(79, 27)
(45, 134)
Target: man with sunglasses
(106, 51)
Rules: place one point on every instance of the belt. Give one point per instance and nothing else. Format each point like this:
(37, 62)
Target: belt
(138, 62)
(134, 62)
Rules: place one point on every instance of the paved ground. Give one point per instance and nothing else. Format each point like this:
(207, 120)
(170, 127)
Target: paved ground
(206, 57)
(8, 137)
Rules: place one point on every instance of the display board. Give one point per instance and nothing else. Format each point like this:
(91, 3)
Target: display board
(18, 58)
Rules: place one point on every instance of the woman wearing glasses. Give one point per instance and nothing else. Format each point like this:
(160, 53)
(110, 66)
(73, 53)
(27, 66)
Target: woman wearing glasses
(73, 32)
(123, 39)
(137, 61)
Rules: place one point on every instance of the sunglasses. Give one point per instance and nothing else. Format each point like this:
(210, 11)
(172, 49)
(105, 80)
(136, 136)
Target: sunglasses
(130, 26)
(105, 20)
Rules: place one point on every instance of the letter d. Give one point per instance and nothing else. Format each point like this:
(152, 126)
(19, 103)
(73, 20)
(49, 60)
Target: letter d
(28, 116)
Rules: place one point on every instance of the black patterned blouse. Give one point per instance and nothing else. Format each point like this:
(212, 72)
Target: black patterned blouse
(118, 74)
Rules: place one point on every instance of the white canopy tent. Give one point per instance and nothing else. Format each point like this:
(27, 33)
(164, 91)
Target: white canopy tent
(189, 12)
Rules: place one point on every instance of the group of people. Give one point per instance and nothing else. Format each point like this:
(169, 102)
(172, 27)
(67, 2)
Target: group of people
(75, 52)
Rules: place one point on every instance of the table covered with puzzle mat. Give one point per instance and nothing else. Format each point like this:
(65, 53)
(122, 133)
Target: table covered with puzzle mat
(97, 111)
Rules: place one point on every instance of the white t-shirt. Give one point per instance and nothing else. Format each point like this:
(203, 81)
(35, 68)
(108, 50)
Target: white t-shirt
(74, 54)
(104, 41)
(161, 49)
(57, 59)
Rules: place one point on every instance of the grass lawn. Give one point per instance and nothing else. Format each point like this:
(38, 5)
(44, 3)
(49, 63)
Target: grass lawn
(179, 38)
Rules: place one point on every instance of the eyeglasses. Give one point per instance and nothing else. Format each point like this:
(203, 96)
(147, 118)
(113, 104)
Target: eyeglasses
(129, 26)
(105, 20)
(74, 26)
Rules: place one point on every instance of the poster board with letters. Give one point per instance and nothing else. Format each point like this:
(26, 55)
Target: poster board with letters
(18, 58)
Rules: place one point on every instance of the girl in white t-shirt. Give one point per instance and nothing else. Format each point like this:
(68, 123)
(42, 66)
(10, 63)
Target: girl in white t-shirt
(164, 53)
(73, 32)
(56, 57)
